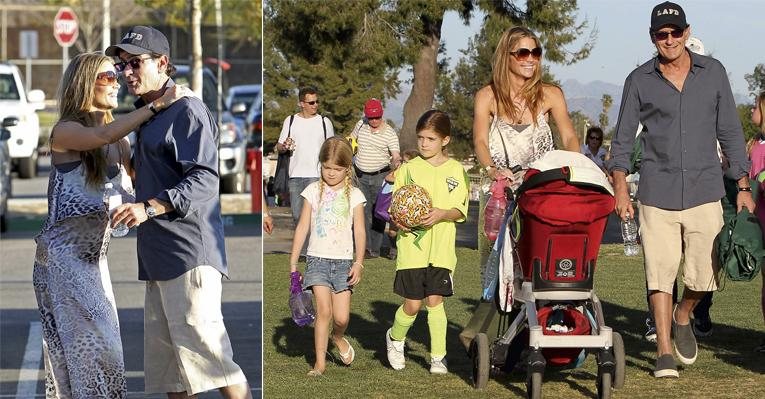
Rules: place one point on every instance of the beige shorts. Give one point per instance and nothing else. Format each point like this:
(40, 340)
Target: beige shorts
(668, 235)
(186, 346)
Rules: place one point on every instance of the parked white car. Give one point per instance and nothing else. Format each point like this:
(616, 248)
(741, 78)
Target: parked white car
(17, 111)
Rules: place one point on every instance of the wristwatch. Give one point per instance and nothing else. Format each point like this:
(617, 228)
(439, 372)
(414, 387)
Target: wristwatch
(153, 108)
(150, 210)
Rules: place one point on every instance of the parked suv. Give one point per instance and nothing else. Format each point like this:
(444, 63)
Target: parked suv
(232, 151)
(25, 132)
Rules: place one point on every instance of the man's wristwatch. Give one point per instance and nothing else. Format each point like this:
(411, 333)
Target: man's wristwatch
(150, 210)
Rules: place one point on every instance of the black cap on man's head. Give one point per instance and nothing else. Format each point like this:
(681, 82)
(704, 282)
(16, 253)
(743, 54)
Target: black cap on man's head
(667, 13)
(141, 40)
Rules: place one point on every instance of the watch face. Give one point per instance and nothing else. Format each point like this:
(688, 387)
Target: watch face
(151, 212)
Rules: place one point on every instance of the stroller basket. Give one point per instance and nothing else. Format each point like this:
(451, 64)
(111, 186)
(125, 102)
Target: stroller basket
(562, 225)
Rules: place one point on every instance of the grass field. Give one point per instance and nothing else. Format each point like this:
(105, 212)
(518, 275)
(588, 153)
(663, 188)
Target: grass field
(727, 366)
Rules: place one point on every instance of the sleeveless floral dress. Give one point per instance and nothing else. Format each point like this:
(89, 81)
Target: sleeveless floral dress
(511, 147)
(81, 337)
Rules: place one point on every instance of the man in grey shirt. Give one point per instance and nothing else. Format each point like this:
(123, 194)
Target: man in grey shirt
(685, 103)
(181, 251)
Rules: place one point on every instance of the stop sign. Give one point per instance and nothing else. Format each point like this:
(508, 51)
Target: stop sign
(65, 28)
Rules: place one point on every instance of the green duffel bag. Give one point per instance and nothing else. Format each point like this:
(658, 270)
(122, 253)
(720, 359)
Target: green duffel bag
(740, 248)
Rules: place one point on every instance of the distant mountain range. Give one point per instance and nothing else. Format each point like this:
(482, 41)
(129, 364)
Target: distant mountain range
(586, 98)
(582, 97)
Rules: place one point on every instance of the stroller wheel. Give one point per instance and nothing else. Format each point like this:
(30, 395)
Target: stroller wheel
(604, 385)
(534, 385)
(479, 352)
(619, 360)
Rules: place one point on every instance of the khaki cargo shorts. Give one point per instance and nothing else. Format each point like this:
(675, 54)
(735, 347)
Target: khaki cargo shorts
(667, 235)
(186, 346)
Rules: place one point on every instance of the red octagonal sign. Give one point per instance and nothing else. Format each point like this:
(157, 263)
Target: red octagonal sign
(65, 28)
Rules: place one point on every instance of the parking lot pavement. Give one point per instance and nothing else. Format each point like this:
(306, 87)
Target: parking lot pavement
(21, 373)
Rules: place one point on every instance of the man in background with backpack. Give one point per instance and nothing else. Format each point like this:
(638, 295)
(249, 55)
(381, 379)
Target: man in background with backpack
(302, 135)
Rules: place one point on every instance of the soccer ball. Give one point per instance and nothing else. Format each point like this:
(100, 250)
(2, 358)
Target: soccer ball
(410, 205)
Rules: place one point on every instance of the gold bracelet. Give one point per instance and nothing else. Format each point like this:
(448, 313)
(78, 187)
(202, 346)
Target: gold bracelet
(358, 263)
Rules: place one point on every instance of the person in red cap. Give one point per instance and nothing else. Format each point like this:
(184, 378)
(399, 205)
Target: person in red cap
(378, 153)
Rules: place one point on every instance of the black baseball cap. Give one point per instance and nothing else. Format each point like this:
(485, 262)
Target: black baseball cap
(667, 13)
(141, 40)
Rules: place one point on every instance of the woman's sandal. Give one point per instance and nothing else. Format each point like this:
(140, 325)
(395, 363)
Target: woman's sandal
(347, 357)
(314, 373)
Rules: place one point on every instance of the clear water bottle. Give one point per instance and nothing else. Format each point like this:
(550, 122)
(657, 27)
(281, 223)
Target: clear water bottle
(630, 236)
(113, 199)
(494, 213)
(301, 302)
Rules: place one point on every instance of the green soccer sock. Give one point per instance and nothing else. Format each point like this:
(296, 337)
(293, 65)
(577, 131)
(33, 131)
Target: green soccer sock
(437, 327)
(401, 324)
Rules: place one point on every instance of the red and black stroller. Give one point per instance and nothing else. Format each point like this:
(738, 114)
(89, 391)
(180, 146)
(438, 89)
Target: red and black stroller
(545, 293)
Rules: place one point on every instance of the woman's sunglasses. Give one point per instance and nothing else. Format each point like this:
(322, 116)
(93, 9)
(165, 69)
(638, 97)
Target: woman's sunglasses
(676, 34)
(134, 63)
(106, 78)
(595, 138)
(524, 53)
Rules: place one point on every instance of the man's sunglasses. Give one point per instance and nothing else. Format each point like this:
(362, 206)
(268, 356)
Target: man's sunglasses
(595, 138)
(676, 34)
(106, 78)
(134, 63)
(524, 53)
(314, 102)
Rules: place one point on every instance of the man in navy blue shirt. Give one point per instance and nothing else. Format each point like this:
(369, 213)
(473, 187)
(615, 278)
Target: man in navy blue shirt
(181, 251)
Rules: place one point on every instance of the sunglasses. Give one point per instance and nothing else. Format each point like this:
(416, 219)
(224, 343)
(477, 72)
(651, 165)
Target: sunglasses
(524, 53)
(311, 102)
(135, 63)
(374, 118)
(595, 138)
(106, 78)
(676, 34)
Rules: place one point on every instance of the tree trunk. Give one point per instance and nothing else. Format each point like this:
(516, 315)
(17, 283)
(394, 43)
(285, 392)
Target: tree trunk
(423, 87)
(196, 47)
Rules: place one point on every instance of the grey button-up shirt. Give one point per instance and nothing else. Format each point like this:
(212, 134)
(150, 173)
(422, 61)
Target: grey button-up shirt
(176, 160)
(680, 168)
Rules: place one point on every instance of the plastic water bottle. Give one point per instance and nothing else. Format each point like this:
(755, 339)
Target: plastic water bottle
(301, 302)
(494, 213)
(113, 199)
(630, 235)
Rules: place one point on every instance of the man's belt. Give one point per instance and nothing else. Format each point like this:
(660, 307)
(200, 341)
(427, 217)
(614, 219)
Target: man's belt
(360, 172)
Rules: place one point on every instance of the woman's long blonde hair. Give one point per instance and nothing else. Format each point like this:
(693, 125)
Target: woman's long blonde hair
(338, 151)
(760, 103)
(76, 94)
(501, 74)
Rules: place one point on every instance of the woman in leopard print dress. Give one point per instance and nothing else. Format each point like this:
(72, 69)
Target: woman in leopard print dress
(81, 338)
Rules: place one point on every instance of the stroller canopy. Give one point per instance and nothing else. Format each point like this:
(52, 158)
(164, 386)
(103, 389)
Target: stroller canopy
(565, 187)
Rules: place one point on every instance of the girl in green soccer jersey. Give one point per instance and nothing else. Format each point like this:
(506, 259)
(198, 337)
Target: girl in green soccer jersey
(426, 255)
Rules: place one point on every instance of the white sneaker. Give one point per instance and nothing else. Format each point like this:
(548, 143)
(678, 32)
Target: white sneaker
(395, 352)
(438, 365)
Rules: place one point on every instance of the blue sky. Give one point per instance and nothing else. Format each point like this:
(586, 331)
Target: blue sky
(732, 31)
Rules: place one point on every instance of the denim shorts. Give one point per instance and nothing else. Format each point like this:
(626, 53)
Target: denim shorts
(332, 273)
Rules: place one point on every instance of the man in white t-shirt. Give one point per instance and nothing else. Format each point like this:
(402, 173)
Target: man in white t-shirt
(303, 134)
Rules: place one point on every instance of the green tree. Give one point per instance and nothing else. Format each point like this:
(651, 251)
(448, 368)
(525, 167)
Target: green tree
(348, 53)
(607, 101)
(756, 79)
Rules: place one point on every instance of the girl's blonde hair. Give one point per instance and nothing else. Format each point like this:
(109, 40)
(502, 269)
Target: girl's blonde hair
(76, 94)
(760, 103)
(501, 74)
(338, 151)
